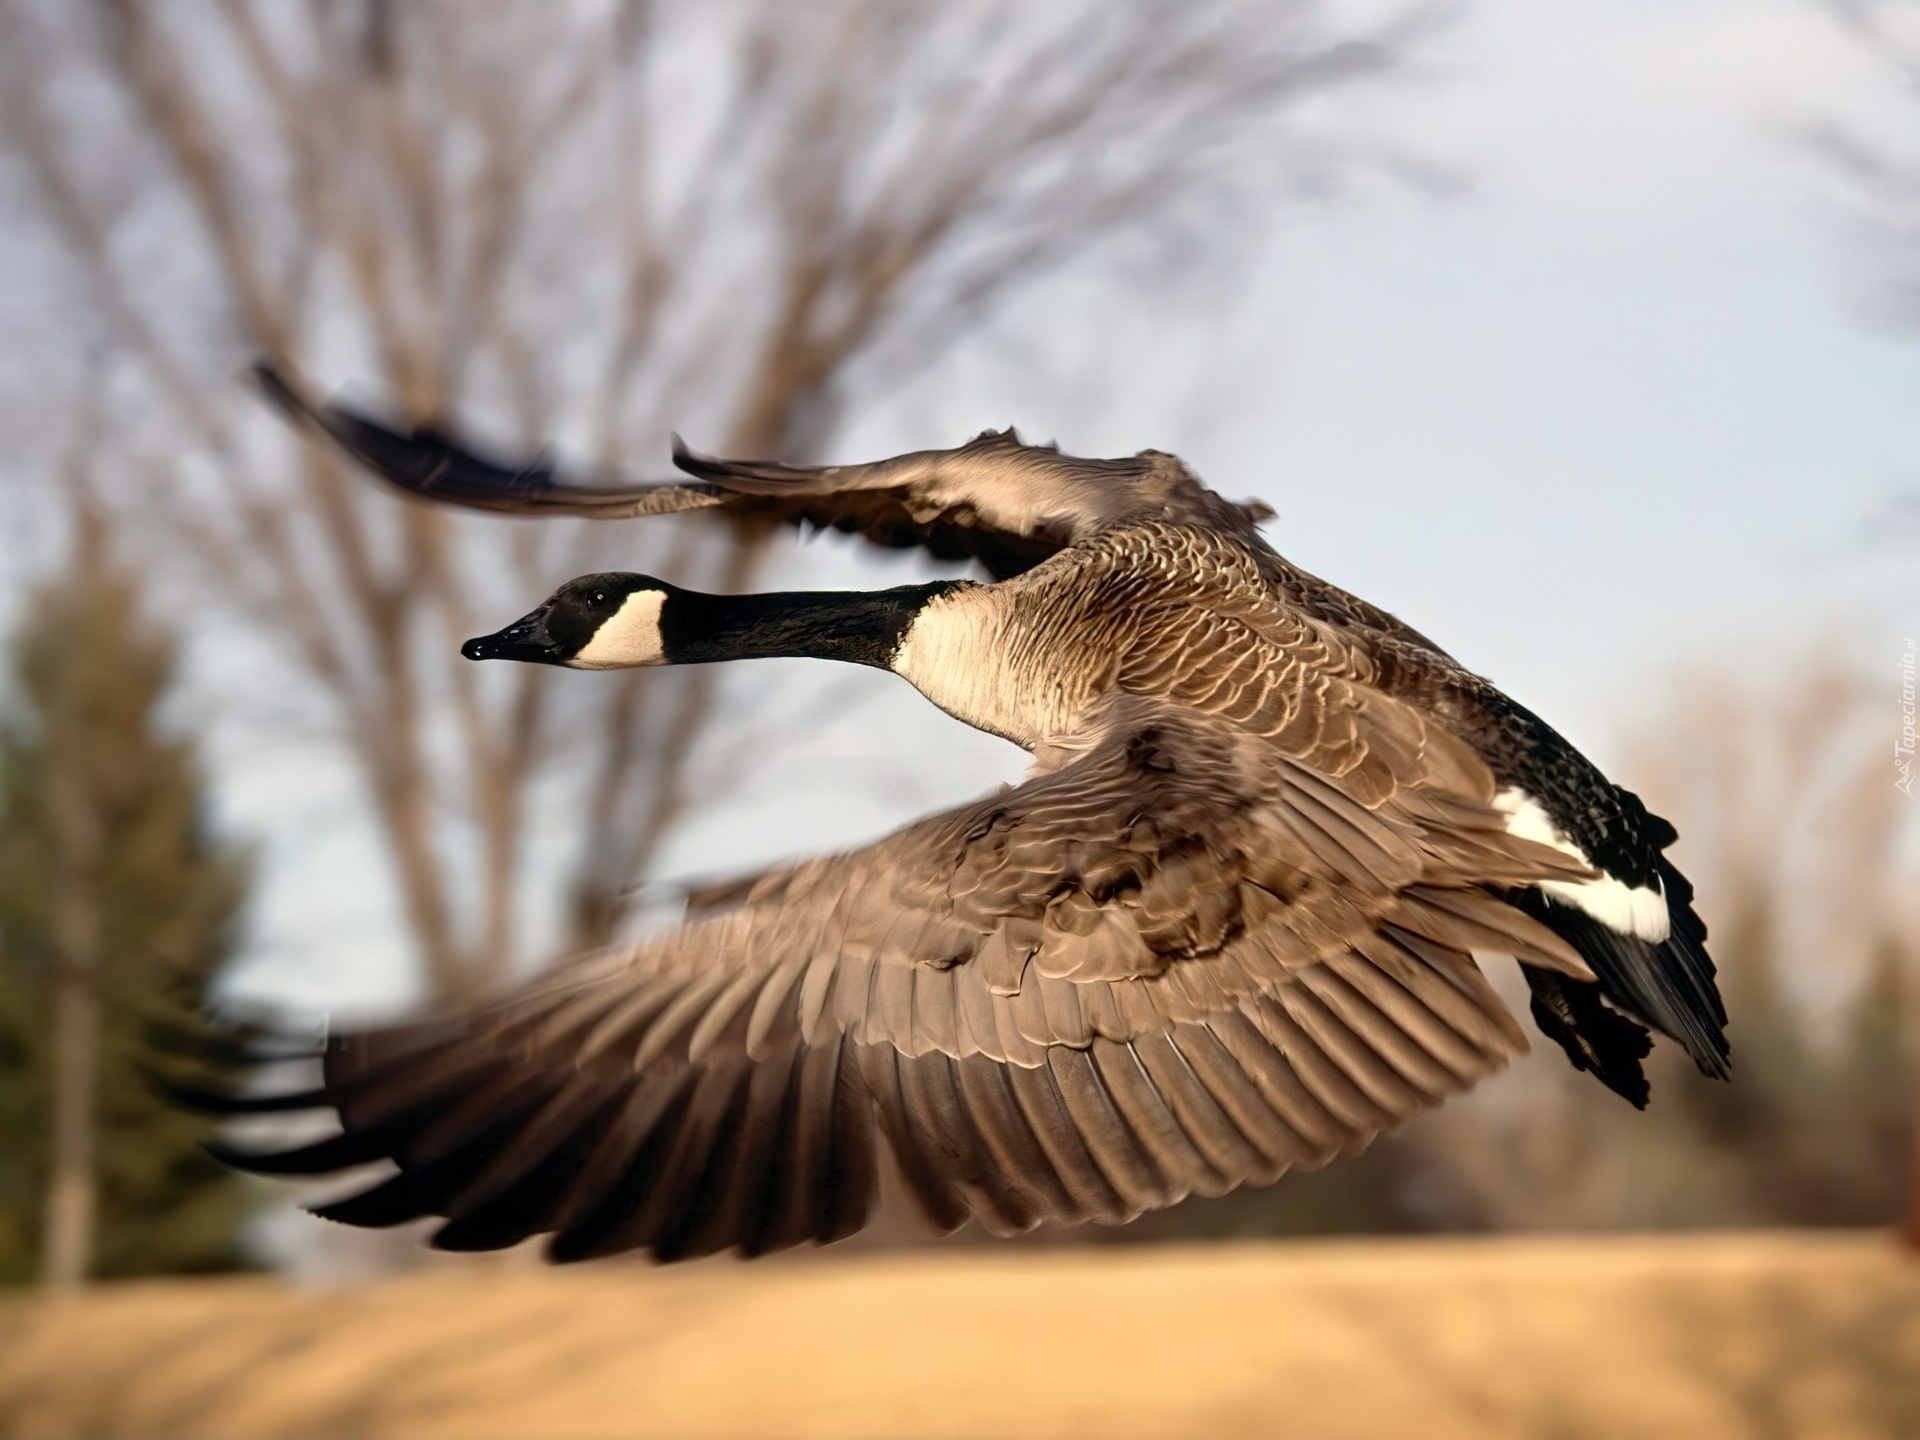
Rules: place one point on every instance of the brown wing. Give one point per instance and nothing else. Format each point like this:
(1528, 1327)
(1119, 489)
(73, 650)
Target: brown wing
(1007, 504)
(1182, 962)
(997, 499)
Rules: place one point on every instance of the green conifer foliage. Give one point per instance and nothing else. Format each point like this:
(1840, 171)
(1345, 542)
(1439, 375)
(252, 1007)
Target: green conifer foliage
(80, 729)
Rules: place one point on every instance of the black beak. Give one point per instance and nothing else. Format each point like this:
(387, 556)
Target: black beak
(525, 639)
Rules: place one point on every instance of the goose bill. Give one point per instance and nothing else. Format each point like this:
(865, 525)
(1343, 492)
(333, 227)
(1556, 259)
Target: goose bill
(526, 639)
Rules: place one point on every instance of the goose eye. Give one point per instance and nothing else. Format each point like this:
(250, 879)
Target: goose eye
(599, 599)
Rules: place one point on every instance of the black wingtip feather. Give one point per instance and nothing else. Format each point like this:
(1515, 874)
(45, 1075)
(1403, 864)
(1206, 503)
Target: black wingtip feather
(706, 1223)
(528, 1206)
(393, 1202)
(220, 1102)
(338, 1152)
(423, 463)
(599, 1231)
(852, 1173)
(280, 389)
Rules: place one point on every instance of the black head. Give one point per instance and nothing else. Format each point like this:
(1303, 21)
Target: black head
(597, 622)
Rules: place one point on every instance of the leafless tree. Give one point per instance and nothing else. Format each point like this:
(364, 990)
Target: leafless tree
(575, 223)
(1878, 161)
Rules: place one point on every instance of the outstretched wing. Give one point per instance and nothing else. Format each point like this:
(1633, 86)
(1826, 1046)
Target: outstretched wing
(1182, 962)
(1007, 504)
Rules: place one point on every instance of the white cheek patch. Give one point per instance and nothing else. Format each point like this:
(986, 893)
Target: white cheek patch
(1637, 910)
(629, 637)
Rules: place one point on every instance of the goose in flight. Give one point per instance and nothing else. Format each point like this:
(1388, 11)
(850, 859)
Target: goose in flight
(1228, 925)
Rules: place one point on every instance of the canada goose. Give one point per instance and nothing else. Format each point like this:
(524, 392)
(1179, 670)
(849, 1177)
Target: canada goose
(1227, 926)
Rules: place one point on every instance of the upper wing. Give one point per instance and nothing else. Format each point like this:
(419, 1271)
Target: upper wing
(1181, 962)
(1007, 504)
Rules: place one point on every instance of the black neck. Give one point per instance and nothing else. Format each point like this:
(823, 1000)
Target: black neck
(860, 626)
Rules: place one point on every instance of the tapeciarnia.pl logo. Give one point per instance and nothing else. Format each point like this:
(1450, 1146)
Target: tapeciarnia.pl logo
(1903, 747)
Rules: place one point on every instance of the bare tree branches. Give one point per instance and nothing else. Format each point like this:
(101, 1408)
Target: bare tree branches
(583, 222)
(1879, 166)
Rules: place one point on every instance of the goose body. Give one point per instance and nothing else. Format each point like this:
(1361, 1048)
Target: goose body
(1227, 926)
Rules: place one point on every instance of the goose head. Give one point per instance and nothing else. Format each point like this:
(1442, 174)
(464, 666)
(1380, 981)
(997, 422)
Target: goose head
(596, 622)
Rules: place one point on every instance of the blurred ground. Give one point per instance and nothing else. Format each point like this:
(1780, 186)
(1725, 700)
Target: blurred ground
(1724, 1335)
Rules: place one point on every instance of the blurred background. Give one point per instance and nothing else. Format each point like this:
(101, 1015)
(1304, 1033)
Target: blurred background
(1580, 336)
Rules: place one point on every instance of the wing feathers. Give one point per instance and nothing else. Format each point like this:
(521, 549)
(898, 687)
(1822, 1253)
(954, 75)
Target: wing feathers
(934, 1158)
(1276, 1076)
(702, 1214)
(735, 1198)
(672, 1022)
(847, 1184)
(1324, 1080)
(722, 1012)
(1240, 1096)
(1004, 503)
(773, 1022)
(1146, 1116)
(612, 1162)
(1358, 1061)
(1433, 1035)
(1109, 1139)
(1380, 1035)
(572, 1117)
(1212, 1133)
(1035, 1091)
(519, 1193)
(936, 1023)
(1194, 963)
(430, 466)
(800, 1204)
(1024, 1187)
(768, 1136)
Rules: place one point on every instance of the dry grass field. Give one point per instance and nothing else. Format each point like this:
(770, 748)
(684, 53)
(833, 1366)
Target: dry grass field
(1764, 1335)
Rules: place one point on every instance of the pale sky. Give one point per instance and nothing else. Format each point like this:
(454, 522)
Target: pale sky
(1609, 413)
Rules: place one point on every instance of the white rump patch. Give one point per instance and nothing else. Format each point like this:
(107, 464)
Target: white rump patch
(1639, 910)
(630, 636)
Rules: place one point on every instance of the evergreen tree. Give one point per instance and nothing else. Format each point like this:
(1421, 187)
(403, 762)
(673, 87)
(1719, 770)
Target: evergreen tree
(116, 915)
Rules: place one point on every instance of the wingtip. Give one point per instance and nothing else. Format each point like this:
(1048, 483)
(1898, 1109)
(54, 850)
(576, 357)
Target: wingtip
(273, 382)
(686, 458)
(283, 392)
(207, 1101)
(319, 1157)
(253, 1162)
